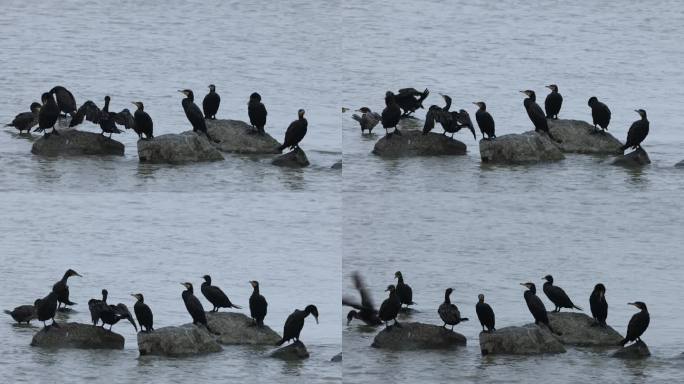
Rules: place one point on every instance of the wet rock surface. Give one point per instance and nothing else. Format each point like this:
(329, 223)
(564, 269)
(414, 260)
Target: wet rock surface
(412, 336)
(77, 335)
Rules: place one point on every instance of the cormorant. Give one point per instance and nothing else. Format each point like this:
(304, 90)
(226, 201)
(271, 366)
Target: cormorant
(404, 291)
(216, 296)
(295, 323)
(211, 102)
(389, 309)
(637, 132)
(536, 114)
(23, 313)
(193, 305)
(553, 102)
(142, 122)
(46, 308)
(598, 304)
(409, 100)
(557, 295)
(65, 100)
(26, 120)
(295, 132)
(48, 114)
(97, 306)
(536, 306)
(62, 289)
(368, 119)
(485, 314)
(391, 114)
(484, 120)
(257, 113)
(104, 118)
(600, 113)
(143, 313)
(365, 310)
(449, 312)
(111, 315)
(193, 113)
(257, 305)
(637, 324)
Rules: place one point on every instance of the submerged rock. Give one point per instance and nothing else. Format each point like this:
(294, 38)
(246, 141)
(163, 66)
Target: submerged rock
(680, 164)
(77, 335)
(337, 358)
(410, 336)
(581, 137)
(636, 158)
(76, 143)
(187, 339)
(520, 148)
(239, 137)
(293, 159)
(181, 148)
(294, 351)
(527, 340)
(637, 350)
(414, 143)
(236, 328)
(580, 330)
(337, 165)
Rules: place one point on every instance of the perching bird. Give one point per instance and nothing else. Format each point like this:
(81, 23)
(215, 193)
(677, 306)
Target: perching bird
(536, 306)
(451, 121)
(48, 114)
(295, 132)
(404, 291)
(368, 119)
(389, 309)
(637, 324)
(97, 306)
(61, 288)
(485, 314)
(103, 117)
(599, 305)
(113, 313)
(410, 99)
(65, 100)
(257, 305)
(449, 312)
(391, 114)
(637, 132)
(364, 310)
(143, 313)
(23, 313)
(600, 113)
(553, 102)
(535, 113)
(193, 305)
(215, 295)
(46, 308)
(142, 122)
(257, 113)
(484, 120)
(295, 323)
(211, 103)
(193, 113)
(26, 120)
(557, 295)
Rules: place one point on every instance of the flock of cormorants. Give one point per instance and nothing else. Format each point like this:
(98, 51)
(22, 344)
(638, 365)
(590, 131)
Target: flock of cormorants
(109, 314)
(60, 101)
(402, 294)
(407, 100)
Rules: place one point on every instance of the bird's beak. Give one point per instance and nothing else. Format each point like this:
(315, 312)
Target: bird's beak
(476, 103)
(386, 289)
(183, 284)
(133, 294)
(634, 304)
(547, 86)
(523, 284)
(77, 274)
(637, 111)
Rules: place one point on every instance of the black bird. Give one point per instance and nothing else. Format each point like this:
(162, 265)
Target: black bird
(113, 313)
(97, 306)
(62, 289)
(637, 324)
(142, 122)
(295, 132)
(194, 306)
(553, 102)
(536, 114)
(637, 132)
(65, 100)
(485, 314)
(600, 113)
(391, 114)
(143, 313)
(449, 312)
(404, 291)
(389, 309)
(557, 295)
(599, 305)
(211, 102)
(103, 117)
(365, 310)
(536, 306)
(193, 113)
(26, 120)
(409, 100)
(48, 114)
(46, 308)
(484, 120)
(257, 113)
(23, 313)
(257, 305)
(368, 119)
(295, 323)
(216, 296)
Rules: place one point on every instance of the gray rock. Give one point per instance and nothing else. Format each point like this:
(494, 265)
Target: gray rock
(411, 336)
(637, 350)
(73, 142)
(580, 330)
(528, 147)
(294, 351)
(680, 164)
(636, 158)
(239, 137)
(77, 335)
(236, 328)
(337, 358)
(185, 340)
(527, 340)
(337, 165)
(581, 137)
(181, 148)
(292, 159)
(414, 143)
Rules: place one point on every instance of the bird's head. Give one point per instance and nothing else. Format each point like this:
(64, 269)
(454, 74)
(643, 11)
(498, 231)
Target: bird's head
(207, 278)
(480, 298)
(187, 285)
(528, 285)
(45, 97)
(639, 304)
(71, 272)
(448, 291)
(528, 92)
(312, 310)
(254, 284)
(138, 296)
(641, 113)
(397, 275)
(552, 87)
(186, 92)
(363, 110)
(592, 100)
(600, 288)
(390, 288)
(255, 96)
(548, 278)
(300, 113)
(212, 88)
(351, 316)
(138, 104)
(107, 99)
(480, 104)
(35, 107)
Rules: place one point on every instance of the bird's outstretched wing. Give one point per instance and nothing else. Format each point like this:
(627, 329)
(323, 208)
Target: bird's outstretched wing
(88, 111)
(124, 118)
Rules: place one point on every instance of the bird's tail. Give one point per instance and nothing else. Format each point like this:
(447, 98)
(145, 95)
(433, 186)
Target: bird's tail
(464, 319)
(280, 342)
(9, 125)
(68, 302)
(235, 306)
(577, 308)
(7, 312)
(356, 117)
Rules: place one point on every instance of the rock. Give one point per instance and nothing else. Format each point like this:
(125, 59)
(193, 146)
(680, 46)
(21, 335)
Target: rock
(177, 149)
(187, 339)
(528, 147)
(293, 159)
(77, 335)
(337, 165)
(236, 328)
(638, 350)
(77, 143)
(680, 164)
(411, 336)
(337, 358)
(239, 137)
(635, 158)
(581, 137)
(527, 340)
(414, 143)
(294, 351)
(580, 330)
